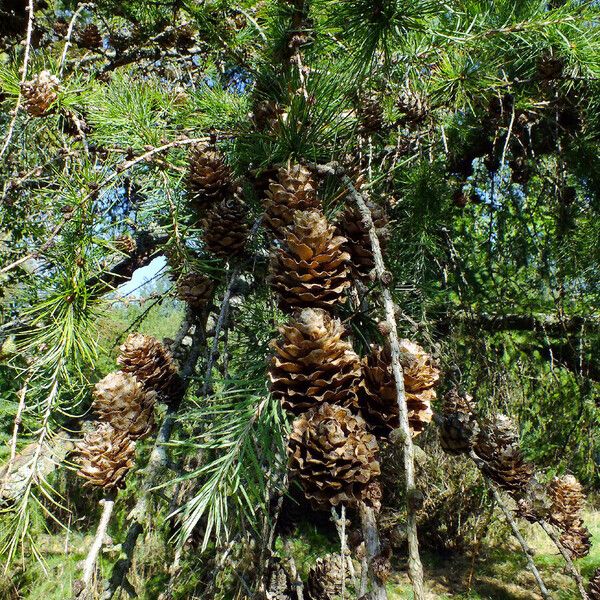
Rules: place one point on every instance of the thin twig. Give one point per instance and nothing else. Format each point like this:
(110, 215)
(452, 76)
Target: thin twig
(83, 587)
(415, 568)
(527, 551)
(565, 554)
(13, 122)
(76, 14)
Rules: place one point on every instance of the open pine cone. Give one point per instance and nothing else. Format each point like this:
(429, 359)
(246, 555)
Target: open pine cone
(39, 93)
(208, 179)
(577, 540)
(413, 107)
(358, 243)
(325, 578)
(497, 445)
(334, 457)
(313, 364)
(121, 400)
(378, 397)
(458, 426)
(151, 363)
(195, 289)
(226, 228)
(105, 456)
(294, 190)
(567, 497)
(370, 115)
(310, 269)
(594, 589)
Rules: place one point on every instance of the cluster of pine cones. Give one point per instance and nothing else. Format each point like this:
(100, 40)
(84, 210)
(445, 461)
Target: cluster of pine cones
(495, 443)
(217, 204)
(343, 404)
(124, 402)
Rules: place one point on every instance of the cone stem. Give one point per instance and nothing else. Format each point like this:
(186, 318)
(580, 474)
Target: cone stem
(415, 568)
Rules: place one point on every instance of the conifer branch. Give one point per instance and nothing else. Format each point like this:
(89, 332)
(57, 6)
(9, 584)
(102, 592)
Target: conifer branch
(25, 67)
(575, 574)
(527, 551)
(415, 568)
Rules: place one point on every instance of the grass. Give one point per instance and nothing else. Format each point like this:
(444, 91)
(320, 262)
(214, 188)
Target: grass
(500, 572)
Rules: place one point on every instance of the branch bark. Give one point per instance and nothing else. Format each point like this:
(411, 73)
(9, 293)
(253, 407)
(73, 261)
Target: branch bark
(368, 524)
(415, 568)
(527, 551)
(565, 554)
(83, 587)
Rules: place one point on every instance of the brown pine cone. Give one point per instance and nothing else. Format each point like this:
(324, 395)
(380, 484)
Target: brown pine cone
(226, 228)
(295, 189)
(413, 107)
(458, 425)
(105, 457)
(567, 497)
(195, 289)
(333, 456)
(378, 397)
(310, 270)
(121, 400)
(498, 446)
(577, 540)
(40, 93)
(146, 358)
(208, 180)
(313, 364)
(594, 589)
(89, 37)
(358, 242)
(325, 578)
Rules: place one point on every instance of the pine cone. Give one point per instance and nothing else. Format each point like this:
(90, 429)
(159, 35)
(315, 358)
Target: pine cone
(378, 398)
(577, 540)
(294, 190)
(195, 289)
(266, 115)
(594, 589)
(413, 107)
(226, 228)
(567, 497)
(280, 584)
(498, 446)
(536, 503)
(311, 269)
(208, 180)
(325, 578)
(106, 455)
(312, 364)
(458, 425)
(39, 93)
(370, 115)
(89, 37)
(121, 400)
(358, 242)
(150, 362)
(333, 456)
